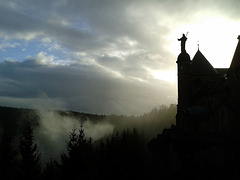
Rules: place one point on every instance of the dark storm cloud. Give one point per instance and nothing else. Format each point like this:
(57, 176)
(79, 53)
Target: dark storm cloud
(78, 25)
(77, 87)
(15, 24)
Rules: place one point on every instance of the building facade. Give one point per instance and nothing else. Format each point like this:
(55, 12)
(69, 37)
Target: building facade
(208, 97)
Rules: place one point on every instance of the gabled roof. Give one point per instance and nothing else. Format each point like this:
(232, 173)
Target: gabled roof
(200, 65)
(236, 57)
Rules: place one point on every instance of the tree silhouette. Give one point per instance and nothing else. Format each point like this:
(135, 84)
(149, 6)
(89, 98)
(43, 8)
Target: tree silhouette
(51, 170)
(78, 160)
(8, 162)
(30, 162)
(122, 156)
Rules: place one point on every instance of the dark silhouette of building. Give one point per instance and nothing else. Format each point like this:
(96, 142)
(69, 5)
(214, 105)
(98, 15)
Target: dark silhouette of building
(208, 97)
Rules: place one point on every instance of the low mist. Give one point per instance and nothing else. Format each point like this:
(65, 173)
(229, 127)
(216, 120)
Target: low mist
(54, 127)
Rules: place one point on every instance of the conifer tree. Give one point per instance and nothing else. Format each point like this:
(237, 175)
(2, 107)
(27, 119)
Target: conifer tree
(30, 162)
(78, 158)
(7, 157)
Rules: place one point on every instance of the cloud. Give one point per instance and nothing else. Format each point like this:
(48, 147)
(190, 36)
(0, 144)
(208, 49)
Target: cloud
(3, 46)
(98, 56)
(78, 87)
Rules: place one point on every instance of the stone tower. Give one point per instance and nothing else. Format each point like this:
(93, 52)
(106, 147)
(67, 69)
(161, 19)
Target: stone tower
(184, 83)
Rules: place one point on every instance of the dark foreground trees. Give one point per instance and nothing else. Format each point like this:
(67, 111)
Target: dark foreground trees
(78, 161)
(8, 163)
(30, 167)
(22, 161)
(123, 155)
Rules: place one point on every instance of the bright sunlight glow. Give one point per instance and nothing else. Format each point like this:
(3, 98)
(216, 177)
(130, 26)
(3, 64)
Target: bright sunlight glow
(217, 39)
(169, 76)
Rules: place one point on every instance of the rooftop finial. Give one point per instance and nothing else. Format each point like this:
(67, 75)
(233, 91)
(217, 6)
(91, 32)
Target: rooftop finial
(183, 40)
(198, 44)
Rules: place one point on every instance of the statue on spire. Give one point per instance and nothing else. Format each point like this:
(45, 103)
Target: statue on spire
(183, 40)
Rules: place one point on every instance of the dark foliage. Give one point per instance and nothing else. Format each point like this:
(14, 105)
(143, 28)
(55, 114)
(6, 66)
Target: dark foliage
(30, 167)
(122, 156)
(79, 157)
(126, 154)
(8, 163)
(12, 119)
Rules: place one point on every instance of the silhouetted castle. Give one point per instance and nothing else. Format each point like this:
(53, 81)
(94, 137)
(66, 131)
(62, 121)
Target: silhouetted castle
(208, 97)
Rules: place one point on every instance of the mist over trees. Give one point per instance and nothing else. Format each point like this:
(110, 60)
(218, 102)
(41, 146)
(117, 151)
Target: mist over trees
(79, 156)
(144, 147)
(121, 150)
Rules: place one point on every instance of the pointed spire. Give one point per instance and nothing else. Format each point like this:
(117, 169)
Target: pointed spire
(200, 65)
(236, 57)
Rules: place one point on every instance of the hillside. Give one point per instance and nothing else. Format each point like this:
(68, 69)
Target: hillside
(52, 128)
(152, 123)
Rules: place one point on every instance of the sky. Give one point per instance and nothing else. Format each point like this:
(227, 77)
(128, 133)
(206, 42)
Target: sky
(107, 56)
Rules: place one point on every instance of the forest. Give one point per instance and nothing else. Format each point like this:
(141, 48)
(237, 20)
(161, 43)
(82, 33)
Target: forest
(40, 144)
